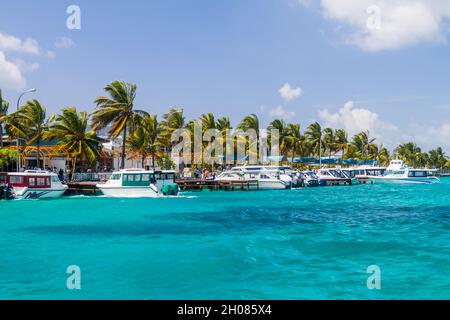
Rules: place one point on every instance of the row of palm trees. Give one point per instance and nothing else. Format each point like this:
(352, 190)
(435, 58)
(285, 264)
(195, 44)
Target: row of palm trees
(142, 134)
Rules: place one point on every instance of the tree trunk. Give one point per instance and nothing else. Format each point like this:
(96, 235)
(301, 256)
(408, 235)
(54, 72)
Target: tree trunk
(74, 163)
(124, 142)
(153, 161)
(38, 149)
(143, 162)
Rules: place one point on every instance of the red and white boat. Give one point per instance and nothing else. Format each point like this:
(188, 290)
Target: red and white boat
(35, 184)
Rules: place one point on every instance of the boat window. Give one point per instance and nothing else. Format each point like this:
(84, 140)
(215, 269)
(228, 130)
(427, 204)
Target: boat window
(41, 181)
(146, 177)
(418, 174)
(32, 182)
(158, 176)
(116, 176)
(137, 178)
(55, 179)
(16, 179)
(170, 176)
(263, 176)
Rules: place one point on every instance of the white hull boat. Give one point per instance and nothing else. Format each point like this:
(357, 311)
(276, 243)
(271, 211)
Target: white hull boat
(398, 173)
(135, 183)
(35, 184)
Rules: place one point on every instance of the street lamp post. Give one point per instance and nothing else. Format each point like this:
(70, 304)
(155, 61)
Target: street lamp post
(19, 158)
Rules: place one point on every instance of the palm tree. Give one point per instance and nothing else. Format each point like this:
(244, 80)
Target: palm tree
(314, 134)
(282, 129)
(144, 140)
(250, 123)
(437, 158)
(409, 152)
(294, 139)
(341, 141)
(116, 110)
(4, 106)
(223, 124)
(29, 123)
(70, 128)
(208, 121)
(365, 145)
(382, 156)
(172, 121)
(329, 137)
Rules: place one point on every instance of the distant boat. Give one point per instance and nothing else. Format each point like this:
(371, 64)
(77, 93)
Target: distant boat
(35, 184)
(397, 172)
(335, 176)
(136, 183)
(310, 179)
(268, 177)
(365, 172)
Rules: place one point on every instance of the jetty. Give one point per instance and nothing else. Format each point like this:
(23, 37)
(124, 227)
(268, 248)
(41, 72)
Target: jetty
(81, 188)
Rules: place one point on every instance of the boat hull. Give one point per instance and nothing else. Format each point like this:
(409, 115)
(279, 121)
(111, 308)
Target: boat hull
(39, 194)
(272, 185)
(405, 180)
(128, 192)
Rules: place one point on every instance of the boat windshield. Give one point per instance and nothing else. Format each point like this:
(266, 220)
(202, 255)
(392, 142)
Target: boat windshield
(116, 176)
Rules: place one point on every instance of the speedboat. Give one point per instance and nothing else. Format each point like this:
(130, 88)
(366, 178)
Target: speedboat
(309, 178)
(335, 177)
(35, 184)
(398, 172)
(365, 172)
(268, 178)
(137, 183)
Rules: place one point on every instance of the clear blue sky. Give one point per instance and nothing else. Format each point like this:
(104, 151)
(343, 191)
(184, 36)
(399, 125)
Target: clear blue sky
(232, 57)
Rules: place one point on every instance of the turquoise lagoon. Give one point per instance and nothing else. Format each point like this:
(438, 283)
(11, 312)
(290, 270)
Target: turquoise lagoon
(297, 244)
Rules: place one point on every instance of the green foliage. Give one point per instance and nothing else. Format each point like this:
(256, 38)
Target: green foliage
(165, 162)
(6, 156)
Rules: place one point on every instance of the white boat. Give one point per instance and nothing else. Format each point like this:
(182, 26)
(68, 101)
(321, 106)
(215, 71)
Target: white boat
(329, 176)
(365, 172)
(310, 179)
(35, 184)
(268, 177)
(137, 183)
(397, 172)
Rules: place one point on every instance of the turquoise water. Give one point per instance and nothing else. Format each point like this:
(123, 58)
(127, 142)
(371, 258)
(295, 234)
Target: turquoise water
(298, 244)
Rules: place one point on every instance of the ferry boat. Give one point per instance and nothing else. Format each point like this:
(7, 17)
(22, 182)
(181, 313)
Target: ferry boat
(365, 172)
(335, 176)
(35, 184)
(398, 172)
(137, 183)
(268, 177)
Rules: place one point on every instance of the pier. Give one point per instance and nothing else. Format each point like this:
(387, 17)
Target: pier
(81, 188)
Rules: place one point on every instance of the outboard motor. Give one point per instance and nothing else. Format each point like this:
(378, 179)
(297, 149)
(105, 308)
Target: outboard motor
(6, 193)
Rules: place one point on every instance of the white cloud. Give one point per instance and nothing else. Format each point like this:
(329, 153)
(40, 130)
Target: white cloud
(279, 112)
(429, 137)
(64, 43)
(14, 44)
(11, 76)
(402, 23)
(25, 67)
(50, 54)
(288, 93)
(355, 120)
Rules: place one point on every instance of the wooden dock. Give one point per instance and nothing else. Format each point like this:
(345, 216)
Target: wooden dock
(81, 188)
(213, 185)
